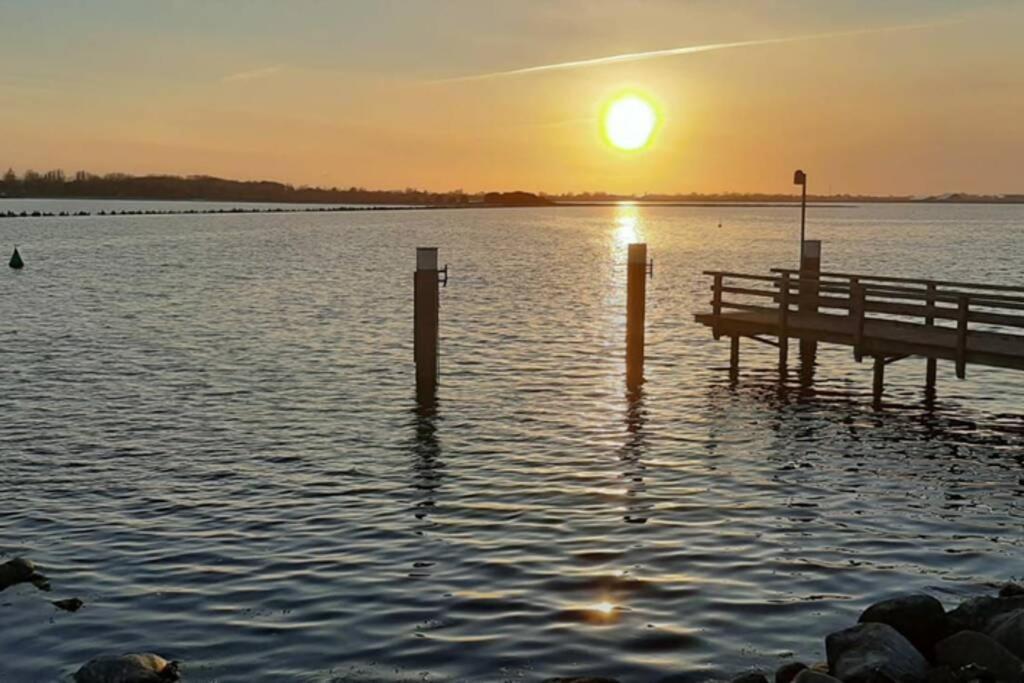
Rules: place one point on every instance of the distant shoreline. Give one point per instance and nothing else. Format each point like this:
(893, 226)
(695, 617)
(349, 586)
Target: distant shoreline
(326, 208)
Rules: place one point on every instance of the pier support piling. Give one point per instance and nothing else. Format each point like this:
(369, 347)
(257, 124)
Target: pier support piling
(930, 369)
(425, 322)
(810, 273)
(636, 293)
(879, 381)
(734, 356)
(784, 323)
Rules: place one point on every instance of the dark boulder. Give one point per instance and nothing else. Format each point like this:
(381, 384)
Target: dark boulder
(968, 648)
(920, 618)
(976, 613)
(131, 668)
(1008, 630)
(812, 676)
(1011, 590)
(872, 653)
(20, 570)
(69, 605)
(787, 672)
(750, 677)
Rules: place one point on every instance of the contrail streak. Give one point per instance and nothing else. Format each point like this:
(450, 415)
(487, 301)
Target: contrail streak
(676, 51)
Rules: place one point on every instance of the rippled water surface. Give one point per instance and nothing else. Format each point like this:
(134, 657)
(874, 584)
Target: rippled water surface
(209, 434)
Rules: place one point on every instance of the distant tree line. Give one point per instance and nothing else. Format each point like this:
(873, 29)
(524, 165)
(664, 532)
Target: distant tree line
(84, 185)
(55, 184)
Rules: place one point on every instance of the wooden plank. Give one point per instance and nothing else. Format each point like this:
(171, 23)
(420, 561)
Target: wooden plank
(742, 276)
(888, 337)
(939, 283)
(747, 291)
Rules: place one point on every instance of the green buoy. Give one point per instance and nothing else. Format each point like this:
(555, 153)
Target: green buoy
(16, 261)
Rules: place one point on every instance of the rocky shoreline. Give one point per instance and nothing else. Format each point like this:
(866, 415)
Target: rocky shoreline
(912, 639)
(906, 639)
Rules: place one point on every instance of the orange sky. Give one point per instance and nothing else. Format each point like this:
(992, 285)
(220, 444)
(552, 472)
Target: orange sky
(928, 99)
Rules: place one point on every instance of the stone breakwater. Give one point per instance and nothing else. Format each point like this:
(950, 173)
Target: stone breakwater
(184, 212)
(906, 639)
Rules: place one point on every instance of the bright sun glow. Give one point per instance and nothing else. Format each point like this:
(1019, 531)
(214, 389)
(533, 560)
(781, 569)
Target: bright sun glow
(629, 122)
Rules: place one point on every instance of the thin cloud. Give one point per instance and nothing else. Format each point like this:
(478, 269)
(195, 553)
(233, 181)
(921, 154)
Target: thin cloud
(263, 72)
(688, 50)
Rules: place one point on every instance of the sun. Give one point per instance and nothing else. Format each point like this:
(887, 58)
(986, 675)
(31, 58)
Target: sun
(629, 122)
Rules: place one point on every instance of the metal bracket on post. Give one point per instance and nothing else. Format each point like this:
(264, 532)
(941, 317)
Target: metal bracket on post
(650, 269)
(442, 276)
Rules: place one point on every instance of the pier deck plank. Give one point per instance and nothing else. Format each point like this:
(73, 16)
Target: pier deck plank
(880, 338)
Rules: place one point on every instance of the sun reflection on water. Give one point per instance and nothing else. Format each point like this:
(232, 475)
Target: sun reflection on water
(627, 222)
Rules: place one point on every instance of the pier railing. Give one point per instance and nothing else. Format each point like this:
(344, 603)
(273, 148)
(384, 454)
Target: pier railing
(847, 302)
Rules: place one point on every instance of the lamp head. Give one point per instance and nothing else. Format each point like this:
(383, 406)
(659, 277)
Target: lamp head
(799, 178)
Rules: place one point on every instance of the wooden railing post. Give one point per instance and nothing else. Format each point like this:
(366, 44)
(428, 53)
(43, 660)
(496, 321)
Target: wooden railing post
(784, 323)
(963, 310)
(716, 306)
(858, 302)
(930, 371)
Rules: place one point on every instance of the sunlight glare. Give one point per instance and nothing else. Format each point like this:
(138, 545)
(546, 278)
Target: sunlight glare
(629, 122)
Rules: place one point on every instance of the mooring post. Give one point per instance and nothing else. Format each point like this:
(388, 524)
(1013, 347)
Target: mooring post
(879, 381)
(810, 273)
(425, 321)
(929, 382)
(636, 292)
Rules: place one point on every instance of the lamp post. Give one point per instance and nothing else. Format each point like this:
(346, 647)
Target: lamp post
(800, 178)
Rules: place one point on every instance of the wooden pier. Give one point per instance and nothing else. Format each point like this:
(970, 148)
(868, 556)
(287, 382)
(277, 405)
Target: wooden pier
(886, 318)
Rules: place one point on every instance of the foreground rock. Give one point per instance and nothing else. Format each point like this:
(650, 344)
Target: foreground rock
(750, 677)
(976, 614)
(69, 605)
(131, 668)
(20, 570)
(969, 648)
(582, 679)
(921, 619)
(1008, 630)
(812, 676)
(872, 652)
(787, 672)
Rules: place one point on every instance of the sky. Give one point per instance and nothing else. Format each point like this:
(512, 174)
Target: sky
(870, 96)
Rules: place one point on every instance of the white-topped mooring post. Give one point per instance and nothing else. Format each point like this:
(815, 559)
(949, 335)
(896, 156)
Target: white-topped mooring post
(425, 321)
(810, 273)
(636, 292)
